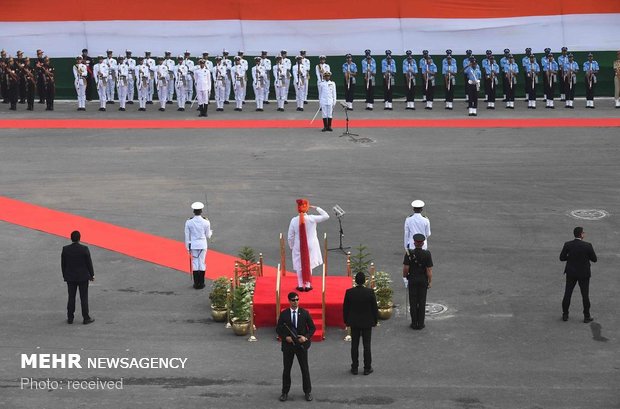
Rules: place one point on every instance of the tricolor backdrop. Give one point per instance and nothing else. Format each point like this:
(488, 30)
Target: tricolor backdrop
(332, 27)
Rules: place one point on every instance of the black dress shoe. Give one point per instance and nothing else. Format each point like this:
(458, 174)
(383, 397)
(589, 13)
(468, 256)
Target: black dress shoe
(180, 109)
(421, 326)
(149, 102)
(413, 326)
(299, 289)
(130, 102)
(69, 320)
(283, 397)
(588, 319)
(168, 102)
(309, 397)
(564, 317)
(368, 371)
(354, 371)
(310, 288)
(89, 321)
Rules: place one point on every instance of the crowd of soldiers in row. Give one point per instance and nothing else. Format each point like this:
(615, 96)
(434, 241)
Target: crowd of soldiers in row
(20, 78)
(125, 76)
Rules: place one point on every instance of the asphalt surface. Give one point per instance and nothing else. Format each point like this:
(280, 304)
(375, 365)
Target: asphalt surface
(499, 201)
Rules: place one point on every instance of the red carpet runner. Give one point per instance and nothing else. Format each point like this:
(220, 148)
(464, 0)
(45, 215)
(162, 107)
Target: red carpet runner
(154, 249)
(265, 301)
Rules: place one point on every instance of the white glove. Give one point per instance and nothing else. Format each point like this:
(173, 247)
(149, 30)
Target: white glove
(406, 282)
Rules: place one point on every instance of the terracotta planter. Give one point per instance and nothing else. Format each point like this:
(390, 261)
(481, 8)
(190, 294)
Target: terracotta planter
(241, 327)
(218, 314)
(385, 313)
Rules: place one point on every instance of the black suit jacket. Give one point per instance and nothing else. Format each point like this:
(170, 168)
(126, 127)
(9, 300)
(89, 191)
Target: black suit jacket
(76, 263)
(359, 309)
(305, 326)
(578, 254)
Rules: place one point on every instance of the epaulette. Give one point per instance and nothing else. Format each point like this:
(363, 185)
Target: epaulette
(205, 218)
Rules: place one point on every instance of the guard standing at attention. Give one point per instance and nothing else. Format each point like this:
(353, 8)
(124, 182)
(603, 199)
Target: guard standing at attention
(369, 69)
(511, 70)
(550, 74)
(590, 68)
(491, 74)
(327, 100)
(473, 75)
(449, 69)
(570, 69)
(388, 69)
(429, 69)
(197, 231)
(418, 277)
(349, 69)
(531, 71)
(410, 70)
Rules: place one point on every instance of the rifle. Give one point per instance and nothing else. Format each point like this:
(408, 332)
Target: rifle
(294, 337)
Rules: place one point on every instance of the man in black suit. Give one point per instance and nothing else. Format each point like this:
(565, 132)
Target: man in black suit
(295, 328)
(360, 313)
(77, 270)
(578, 254)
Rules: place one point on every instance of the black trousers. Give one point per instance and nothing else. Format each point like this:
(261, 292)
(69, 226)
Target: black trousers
(409, 90)
(417, 300)
(41, 88)
(429, 91)
(22, 90)
(584, 286)
(549, 89)
(4, 89)
(72, 287)
(505, 85)
(12, 94)
(30, 87)
(590, 90)
(509, 91)
(472, 93)
(388, 90)
(569, 89)
(50, 94)
(490, 89)
(349, 92)
(370, 92)
(449, 92)
(366, 334)
(562, 84)
(530, 88)
(288, 354)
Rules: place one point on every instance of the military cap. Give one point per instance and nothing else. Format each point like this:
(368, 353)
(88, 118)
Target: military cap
(109, 51)
(167, 53)
(201, 61)
(299, 57)
(240, 52)
(79, 57)
(127, 51)
(417, 204)
(322, 57)
(388, 52)
(408, 52)
(468, 52)
(225, 52)
(256, 58)
(424, 52)
(528, 49)
(590, 55)
(186, 52)
(237, 58)
(348, 56)
(419, 237)
(570, 55)
(472, 59)
(198, 205)
(263, 52)
(205, 53)
(550, 55)
(547, 50)
(489, 52)
(564, 49)
(506, 51)
(510, 56)
(302, 52)
(367, 52)
(283, 52)
(448, 52)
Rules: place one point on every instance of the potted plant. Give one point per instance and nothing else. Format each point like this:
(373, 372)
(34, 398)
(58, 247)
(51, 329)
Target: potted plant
(384, 292)
(241, 310)
(219, 298)
(360, 261)
(247, 266)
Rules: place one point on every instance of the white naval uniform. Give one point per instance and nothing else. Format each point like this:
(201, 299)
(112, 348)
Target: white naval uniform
(314, 248)
(80, 74)
(414, 224)
(181, 74)
(287, 81)
(131, 80)
(197, 231)
(228, 82)
(279, 83)
(171, 66)
(266, 63)
(306, 63)
(327, 97)
(259, 81)
(190, 85)
(113, 66)
(163, 79)
(220, 72)
(319, 70)
(300, 82)
(143, 81)
(202, 77)
(151, 84)
(240, 80)
(244, 64)
(123, 83)
(101, 72)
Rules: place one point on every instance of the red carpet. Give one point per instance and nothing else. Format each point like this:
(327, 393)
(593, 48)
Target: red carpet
(265, 300)
(154, 249)
(305, 123)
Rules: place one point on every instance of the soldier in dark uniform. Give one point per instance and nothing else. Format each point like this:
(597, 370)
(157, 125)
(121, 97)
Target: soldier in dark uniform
(39, 76)
(90, 80)
(19, 60)
(12, 78)
(418, 276)
(30, 82)
(3, 77)
(50, 84)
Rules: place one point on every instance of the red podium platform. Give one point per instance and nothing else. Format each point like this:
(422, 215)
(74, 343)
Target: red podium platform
(265, 301)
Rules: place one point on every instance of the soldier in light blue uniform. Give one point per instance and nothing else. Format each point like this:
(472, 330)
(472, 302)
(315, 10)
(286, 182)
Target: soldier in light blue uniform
(473, 76)
(502, 65)
(449, 69)
(524, 62)
(429, 70)
(466, 63)
(388, 69)
(543, 68)
(349, 70)
(570, 69)
(421, 64)
(550, 72)
(562, 59)
(590, 68)
(531, 69)
(369, 69)
(485, 71)
(410, 70)
(511, 71)
(491, 74)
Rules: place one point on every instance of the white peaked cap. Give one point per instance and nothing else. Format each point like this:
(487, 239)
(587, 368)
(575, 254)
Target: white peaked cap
(198, 205)
(417, 203)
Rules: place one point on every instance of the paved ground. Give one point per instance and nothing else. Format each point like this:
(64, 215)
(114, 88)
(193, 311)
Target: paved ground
(499, 203)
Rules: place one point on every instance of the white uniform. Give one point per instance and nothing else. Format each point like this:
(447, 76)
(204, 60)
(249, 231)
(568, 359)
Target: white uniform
(279, 83)
(101, 72)
(314, 248)
(306, 63)
(266, 63)
(414, 224)
(220, 71)
(197, 231)
(181, 74)
(123, 83)
(287, 81)
(327, 97)
(260, 79)
(171, 66)
(131, 80)
(319, 70)
(143, 81)
(228, 81)
(202, 77)
(300, 82)
(239, 82)
(190, 86)
(163, 78)
(113, 66)
(151, 84)
(80, 74)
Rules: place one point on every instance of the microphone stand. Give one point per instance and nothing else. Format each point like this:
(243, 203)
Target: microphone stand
(347, 132)
(342, 249)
